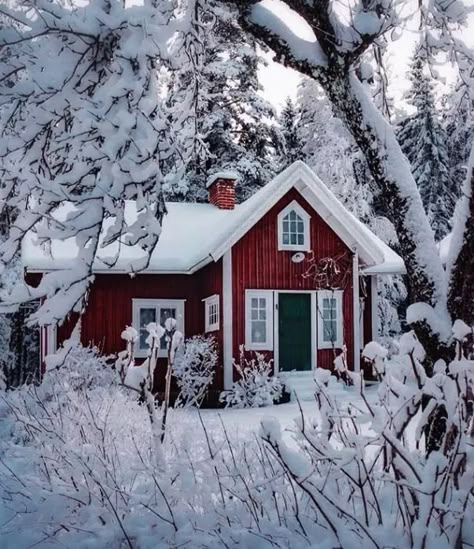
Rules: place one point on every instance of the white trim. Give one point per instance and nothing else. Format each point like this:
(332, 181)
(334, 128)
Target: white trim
(356, 310)
(353, 233)
(51, 339)
(276, 332)
(266, 345)
(338, 296)
(227, 319)
(294, 206)
(374, 312)
(210, 301)
(157, 304)
(314, 329)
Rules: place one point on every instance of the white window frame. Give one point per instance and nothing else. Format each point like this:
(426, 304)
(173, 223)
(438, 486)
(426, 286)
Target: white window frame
(209, 302)
(337, 295)
(294, 206)
(266, 345)
(156, 304)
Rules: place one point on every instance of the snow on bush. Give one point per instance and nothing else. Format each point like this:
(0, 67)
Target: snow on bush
(391, 468)
(80, 368)
(194, 369)
(256, 386)
(375, 355)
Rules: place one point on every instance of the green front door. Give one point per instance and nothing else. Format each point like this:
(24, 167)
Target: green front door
(294, 332)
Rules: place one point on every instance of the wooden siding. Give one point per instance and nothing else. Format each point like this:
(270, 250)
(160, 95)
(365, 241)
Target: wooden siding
(257, 264)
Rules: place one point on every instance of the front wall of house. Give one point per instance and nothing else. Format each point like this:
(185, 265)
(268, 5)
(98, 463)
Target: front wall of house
(109, 308)
(258, 264)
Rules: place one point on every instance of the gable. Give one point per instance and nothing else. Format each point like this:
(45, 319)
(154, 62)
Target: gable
(261, 240)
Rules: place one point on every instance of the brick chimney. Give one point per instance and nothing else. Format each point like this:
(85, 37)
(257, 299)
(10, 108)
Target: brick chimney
(221, 188)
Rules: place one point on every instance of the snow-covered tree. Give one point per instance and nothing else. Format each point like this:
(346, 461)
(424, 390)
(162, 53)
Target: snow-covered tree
(459, 127)
(426, 145)
(215, 96)
(341, 38)
(290, 130)
(83, 123)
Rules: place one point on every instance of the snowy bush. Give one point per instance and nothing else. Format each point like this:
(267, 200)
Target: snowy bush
(194, 369)
(256, 386)
(81, 368)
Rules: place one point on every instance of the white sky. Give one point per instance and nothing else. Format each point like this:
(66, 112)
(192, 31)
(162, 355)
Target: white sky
(280, 82)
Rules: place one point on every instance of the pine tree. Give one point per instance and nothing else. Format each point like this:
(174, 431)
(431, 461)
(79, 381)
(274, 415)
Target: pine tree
(459, 127)
(292, 142)
(229, 125)
(425, 144)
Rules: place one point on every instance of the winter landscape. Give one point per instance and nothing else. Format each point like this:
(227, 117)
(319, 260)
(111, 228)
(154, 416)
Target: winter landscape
(237, 274)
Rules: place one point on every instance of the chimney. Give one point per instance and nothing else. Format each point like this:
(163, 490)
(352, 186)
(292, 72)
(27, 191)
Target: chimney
(221, 188)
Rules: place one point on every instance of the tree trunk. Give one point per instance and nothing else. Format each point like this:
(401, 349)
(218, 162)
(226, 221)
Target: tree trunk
(400, 199)
(461, 287)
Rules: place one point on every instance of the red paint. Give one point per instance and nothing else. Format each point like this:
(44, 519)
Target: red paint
(258, 264)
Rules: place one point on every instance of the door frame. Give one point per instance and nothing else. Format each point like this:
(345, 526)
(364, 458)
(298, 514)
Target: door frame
(314, 327)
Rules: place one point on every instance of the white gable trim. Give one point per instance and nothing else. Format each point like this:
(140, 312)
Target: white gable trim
(313, 190)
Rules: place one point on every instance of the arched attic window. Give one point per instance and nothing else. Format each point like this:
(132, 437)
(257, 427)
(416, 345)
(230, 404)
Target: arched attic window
(293, 228)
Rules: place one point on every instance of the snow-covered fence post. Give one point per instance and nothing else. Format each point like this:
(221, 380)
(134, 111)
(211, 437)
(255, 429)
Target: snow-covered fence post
(174, 338)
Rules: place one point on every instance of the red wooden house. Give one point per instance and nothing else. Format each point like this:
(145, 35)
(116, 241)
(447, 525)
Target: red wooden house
(289, 272)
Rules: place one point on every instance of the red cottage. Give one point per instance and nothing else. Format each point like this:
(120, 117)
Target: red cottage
(289, 272)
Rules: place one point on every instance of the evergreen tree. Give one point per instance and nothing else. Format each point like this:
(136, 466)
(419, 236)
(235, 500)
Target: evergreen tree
(228, 124)
(459, 127)
(425, 144)
(329, 149)
(292, 142)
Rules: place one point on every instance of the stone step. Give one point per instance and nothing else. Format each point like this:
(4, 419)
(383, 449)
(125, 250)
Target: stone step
(300, 384)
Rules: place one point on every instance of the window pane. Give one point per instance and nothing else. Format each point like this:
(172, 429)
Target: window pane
(165, 313)
(286, 238)
(262, 302)
(254, 314)
(254, 303)
(262, 314)
(259, 331)
(286, 226)
(147, 315)
(300, 239)
(142, 341)
(300, 226)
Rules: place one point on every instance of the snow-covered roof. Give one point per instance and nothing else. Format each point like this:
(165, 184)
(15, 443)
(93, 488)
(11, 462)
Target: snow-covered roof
(196, 234)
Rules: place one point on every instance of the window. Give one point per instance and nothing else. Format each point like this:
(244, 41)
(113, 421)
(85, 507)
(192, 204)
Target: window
(293, 228)
(211, 312)
(259, 320)
(155, 310)
(330, 320)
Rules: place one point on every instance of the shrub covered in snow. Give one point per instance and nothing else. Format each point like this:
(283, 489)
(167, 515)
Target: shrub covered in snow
(79, 367)
(374, 354)
(194, 369)
(256, 386)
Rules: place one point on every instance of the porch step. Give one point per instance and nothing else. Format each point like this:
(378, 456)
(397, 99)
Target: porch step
(300, 384)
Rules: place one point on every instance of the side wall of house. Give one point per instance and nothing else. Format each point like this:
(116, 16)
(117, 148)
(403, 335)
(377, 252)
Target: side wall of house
(258, 264)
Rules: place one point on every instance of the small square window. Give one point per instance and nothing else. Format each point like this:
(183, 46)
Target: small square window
(212, 313)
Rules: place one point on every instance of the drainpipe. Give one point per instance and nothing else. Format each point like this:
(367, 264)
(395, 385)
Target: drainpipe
(356, 310)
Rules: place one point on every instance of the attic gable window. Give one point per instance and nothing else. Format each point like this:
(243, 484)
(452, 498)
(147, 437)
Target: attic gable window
(293, 228)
